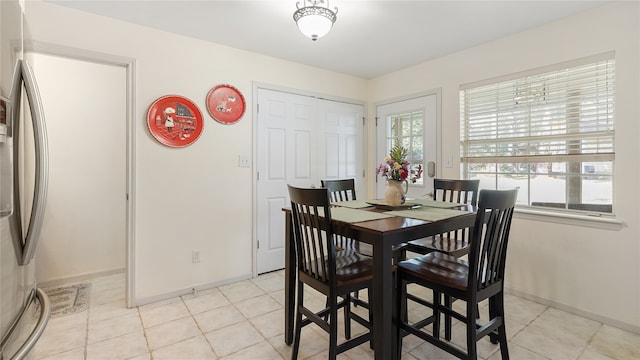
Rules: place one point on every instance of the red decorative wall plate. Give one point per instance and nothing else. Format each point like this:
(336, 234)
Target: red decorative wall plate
(175, 121)
(225, 104)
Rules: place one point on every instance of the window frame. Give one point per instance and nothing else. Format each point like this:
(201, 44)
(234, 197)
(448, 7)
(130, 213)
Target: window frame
(407, 140)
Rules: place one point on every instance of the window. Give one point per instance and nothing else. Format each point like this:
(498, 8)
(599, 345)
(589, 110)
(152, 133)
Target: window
(408, 128)
(549, 132)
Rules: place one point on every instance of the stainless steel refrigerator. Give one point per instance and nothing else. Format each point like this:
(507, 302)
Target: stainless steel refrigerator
(24, 308)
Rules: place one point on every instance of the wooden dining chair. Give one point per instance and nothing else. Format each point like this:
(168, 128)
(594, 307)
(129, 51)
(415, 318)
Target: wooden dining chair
(479, 278)
(333, 273)
(454, 243)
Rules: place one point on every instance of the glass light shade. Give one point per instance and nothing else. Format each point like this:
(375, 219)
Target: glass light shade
(314, 21)
(314, 26)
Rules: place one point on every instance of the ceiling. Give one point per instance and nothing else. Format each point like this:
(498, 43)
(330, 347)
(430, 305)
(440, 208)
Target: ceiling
(369, 38)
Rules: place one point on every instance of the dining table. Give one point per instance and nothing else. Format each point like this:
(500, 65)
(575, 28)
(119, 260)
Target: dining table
(384, 227)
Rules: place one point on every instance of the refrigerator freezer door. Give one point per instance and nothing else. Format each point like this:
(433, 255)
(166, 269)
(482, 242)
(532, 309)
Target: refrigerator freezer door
(25, 243)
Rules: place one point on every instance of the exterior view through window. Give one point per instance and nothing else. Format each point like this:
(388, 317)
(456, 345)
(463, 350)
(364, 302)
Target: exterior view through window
(408, 128)
(549, 132)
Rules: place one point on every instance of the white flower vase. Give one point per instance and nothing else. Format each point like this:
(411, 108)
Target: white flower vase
(394, 195)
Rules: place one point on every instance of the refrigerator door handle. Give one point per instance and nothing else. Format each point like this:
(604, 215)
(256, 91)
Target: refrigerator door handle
(45, 314)
(43, 318)
(26, 248)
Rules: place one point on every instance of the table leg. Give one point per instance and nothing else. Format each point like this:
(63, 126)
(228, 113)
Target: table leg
(383, 301)
(289, 280)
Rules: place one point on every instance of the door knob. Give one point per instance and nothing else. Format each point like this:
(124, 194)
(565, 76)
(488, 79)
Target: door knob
(431, 169)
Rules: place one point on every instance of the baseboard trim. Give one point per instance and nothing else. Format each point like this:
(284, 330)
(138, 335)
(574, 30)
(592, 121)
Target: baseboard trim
(78, 278)
(190, 290)
(572, 310)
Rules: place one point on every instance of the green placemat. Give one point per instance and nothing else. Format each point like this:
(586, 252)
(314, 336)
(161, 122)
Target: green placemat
(428, 213)
(437, 204)
(354, 215)
(353, 204)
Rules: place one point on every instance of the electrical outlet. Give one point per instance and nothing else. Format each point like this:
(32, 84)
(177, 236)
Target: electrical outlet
(243, 161)
(195, 256)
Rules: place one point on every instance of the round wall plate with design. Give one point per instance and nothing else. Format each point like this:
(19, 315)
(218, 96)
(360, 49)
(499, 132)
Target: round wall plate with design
(225, 104)
(175, 121)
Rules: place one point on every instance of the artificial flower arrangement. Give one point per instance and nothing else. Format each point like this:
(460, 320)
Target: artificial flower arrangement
(396, 166)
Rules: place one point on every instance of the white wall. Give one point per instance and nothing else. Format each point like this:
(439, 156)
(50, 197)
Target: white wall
(592, 271)
(195, 197)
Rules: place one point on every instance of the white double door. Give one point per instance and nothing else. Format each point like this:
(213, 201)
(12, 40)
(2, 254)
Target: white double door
(300, 141)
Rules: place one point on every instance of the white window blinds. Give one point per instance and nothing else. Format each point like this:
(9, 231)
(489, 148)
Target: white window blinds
(562, 115)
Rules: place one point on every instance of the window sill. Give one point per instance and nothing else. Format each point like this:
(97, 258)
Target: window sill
(598, 222)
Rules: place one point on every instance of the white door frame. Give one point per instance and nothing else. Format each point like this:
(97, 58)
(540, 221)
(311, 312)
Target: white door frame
(438, 93)
(130, 65)
(254, 182)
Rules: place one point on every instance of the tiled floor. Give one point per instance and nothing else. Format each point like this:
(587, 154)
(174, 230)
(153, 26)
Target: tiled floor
(244, 320)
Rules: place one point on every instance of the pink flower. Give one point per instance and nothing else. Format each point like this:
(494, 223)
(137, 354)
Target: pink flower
(397, 167)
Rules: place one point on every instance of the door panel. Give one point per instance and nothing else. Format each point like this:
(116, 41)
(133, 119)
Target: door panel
(302, 156)
(341, 154)
(300, 140)
(425, 108)
(282, 157)
(276, 154)
(332, 144)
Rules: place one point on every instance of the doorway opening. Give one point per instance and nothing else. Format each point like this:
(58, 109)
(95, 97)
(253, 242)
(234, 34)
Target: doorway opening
(88, 104)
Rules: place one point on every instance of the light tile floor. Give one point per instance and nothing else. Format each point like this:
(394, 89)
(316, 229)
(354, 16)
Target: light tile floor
(244, 320)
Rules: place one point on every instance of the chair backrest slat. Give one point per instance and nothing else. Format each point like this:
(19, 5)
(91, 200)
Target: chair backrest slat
(312, 232)
(458, 191)
(340, 190)
(490, 237)
(453, 190)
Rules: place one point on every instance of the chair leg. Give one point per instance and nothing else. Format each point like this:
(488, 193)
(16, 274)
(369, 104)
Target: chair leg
(472, 335)
(502, 330)
(370, 297)
(298, 326)
(448, 303)
(333, 328)
(436, 314)
(347, 316)
(405, 302)
(400, 312)
(493, 312)
(496, 308)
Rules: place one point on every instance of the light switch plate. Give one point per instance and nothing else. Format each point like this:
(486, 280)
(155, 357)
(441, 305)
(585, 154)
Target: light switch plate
(243, 161)
(448, 162)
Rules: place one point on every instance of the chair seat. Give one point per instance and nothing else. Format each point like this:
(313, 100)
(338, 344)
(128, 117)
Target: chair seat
(438, 268)
(447, 245)
(352, 267)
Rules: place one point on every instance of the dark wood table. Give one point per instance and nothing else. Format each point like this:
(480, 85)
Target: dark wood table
(382, 234)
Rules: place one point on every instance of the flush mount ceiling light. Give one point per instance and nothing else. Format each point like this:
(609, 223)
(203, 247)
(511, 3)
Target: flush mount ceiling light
(314, 18)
